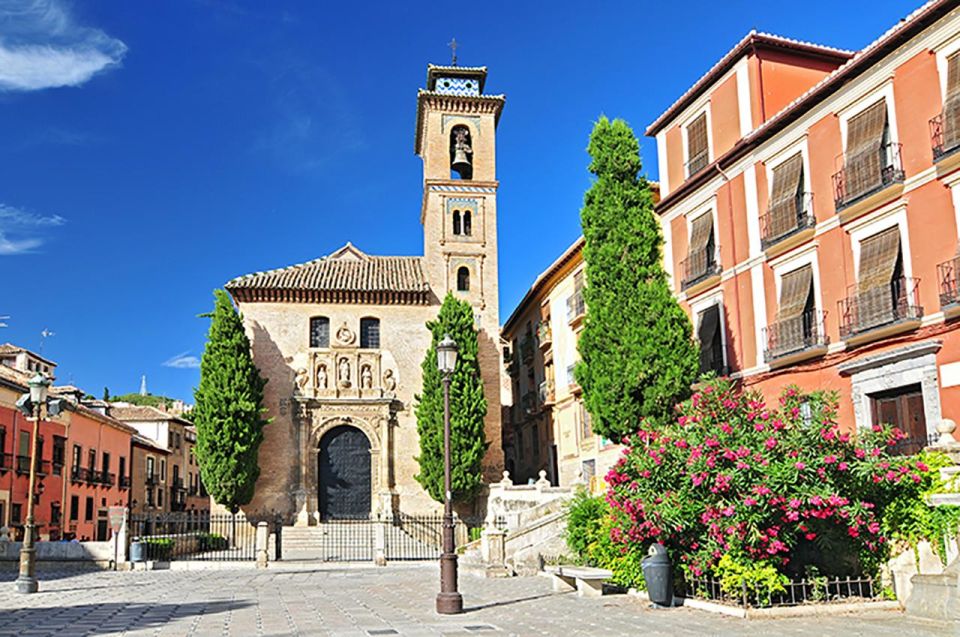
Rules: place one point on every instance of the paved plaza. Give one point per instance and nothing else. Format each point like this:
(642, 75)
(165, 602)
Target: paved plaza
(396, 600)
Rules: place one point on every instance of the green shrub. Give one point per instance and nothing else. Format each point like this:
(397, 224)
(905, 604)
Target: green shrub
(211, 542)
(758, 580)
(589, 524)
(158, 549)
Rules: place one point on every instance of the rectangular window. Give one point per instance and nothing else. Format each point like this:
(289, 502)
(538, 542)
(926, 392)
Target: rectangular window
(785, 210)
(92, 460)
(711, 341)
(319, 331)
(796, 326)
(74, 508)
(880, 289)
(160, 497)
(24, 449)
(88, 510)
(77, 455)
(3, 448)
(105, 459)
(55, 514)
(698, 146)
(702, 256)
(177, 440)
(951, 104)
(122, 468)
(149, 493)
(163, 470)
(59, 450)
(585, 424)
(15, 513)
(370, 333)
(868, 136)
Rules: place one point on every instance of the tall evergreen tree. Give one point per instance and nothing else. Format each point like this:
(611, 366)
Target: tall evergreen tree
(229, 409)
(638, 359)
(468, 407)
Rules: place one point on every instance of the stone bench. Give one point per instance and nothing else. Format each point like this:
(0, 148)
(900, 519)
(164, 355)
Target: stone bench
(586, 580)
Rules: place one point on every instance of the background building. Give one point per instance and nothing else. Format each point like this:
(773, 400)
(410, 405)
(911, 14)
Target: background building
(810, 211)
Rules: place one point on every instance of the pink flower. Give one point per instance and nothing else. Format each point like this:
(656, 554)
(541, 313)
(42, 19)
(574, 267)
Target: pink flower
(829, 459)
(800, 466)
(748, 501)
(842, 466)
(811, 536)
(727, 512)
(770, 443)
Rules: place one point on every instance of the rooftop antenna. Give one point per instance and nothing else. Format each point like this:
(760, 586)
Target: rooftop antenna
(453, 47)
(44, 335)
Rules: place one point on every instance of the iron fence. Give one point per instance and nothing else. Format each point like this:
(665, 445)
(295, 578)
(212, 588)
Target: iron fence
(813, 590)
(196, 535)
(913, 445)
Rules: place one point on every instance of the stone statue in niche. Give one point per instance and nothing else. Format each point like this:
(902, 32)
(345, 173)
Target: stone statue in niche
(343, 372)
(321, 376)
(389, 382)
(366, 377)
(301, 379)
(345, 335)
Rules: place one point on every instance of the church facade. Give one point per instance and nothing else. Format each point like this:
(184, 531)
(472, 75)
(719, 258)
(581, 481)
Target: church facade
(341, 338)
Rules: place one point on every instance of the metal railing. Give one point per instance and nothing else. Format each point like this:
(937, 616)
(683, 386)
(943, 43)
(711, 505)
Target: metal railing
(152, 479)
(697, 163)
(79, 474)
(866, 173)
(576, 306)
(943, 141)
(813, 590)
(864, 311)
(544, 333)
(124, 482)
(947, 276)
(698, 266)
(792, 335)
(107, 478)
(777, 225)
(23, 465)
(526, 349)
(196, 535)
(912, 445)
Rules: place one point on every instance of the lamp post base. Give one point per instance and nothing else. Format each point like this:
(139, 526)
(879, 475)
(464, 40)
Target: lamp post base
(27, 584)
(449, 603)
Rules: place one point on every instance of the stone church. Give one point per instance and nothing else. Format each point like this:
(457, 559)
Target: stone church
(341, 338)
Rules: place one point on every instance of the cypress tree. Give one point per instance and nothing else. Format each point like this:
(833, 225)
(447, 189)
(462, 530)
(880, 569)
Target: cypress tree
(468, 407)
(638, 359)
(229, 409)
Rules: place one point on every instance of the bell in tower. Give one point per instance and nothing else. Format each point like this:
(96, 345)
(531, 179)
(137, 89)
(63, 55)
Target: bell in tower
(460, 152)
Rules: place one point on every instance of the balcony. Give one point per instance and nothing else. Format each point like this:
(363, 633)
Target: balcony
(795, 339)
(526, 349)
(152, 479)
(884, 311)
(93, 476)
(107, 479)
(777, 226)
(944, 140)
(544, 334)
(697, 163)
(23, 465)
(547, 393)
(699, 269)
(79, 474)
(124, 482)
(529, 403)
(6, 462)
(865, 179)
(576, 309)
(949, 292)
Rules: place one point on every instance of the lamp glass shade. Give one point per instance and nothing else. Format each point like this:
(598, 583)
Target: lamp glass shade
(446, 355)
(38, 388)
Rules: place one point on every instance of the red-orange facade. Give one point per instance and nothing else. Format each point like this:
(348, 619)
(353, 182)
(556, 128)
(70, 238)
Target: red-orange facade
(810, 199)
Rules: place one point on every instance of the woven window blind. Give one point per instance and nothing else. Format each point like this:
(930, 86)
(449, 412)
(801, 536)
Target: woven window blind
(787, 186)
(864, 163)
(951, 104)
(697, 145)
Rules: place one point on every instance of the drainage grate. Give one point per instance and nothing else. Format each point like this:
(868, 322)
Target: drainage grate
(382, 631)
(479, 627)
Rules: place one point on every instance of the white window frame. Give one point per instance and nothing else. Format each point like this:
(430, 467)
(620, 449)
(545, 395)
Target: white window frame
(705, 108)
(793, 262)
(885, 92)
(696, 214)
(943, 51)
(780, 155)
(704, 303)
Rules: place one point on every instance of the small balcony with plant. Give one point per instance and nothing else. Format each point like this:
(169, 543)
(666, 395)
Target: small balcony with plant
(793, 339)
(875, 312)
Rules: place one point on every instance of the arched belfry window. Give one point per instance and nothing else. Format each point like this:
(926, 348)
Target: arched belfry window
(467, 222)
(370, 333)
(461, 152)
(319, 331)
(463, 279)
(456, 222)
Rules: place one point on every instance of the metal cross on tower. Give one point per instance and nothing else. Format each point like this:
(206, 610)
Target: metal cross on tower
(453, 47)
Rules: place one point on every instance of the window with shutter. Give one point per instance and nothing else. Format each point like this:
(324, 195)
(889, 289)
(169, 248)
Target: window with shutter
(786, 197)
(711, 341)
(795, 323)
(877, 289)
(951, 104)
(866, 156)
(701, 258)
(697, 145)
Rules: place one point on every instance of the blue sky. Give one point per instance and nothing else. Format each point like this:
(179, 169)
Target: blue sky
(154, 150)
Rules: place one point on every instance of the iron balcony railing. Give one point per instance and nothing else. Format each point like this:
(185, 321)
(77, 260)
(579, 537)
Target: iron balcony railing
(93, 476)
(697, 163)
(107, 478)
(777, 225)
(943, 140)
(863, 311)
(793, 335)
(152, 479)
(576, 307)
(544, 333)
(23, 465)
(79, 474)
(124, 482)
(866, 173)
(947, 276)
(698, 266)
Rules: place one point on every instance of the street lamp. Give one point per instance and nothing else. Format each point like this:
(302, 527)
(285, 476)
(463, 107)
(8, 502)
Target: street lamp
(27, 581)
(449, 600)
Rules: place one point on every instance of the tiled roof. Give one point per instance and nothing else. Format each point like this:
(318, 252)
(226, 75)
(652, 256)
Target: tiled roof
(348, 275)
(10, 348)
(143, 441)
(751, 39)
(137, 413)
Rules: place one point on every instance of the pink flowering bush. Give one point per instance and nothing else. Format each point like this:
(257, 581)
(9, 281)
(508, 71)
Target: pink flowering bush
(777, 486)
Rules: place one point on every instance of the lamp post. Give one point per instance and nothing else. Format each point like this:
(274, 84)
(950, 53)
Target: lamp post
(27, 581)
(449, 600)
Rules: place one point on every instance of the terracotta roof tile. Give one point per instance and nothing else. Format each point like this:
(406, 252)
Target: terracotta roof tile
(134, 413)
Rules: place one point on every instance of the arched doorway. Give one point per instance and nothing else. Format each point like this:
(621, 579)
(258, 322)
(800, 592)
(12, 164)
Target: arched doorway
(343, 468)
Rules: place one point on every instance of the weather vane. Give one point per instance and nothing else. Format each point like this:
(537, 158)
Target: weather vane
(44, 335)
(453, 47)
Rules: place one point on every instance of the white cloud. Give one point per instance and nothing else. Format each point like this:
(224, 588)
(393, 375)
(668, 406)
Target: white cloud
(41, 46)
(19, 229)
(183, 360)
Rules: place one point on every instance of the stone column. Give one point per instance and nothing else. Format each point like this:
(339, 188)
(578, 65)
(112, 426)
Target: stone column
(380, 541)
(493, 551)
(383, 470)
(262, 544)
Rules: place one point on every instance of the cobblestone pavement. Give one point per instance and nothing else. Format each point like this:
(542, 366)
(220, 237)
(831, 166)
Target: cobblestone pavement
(396, 600)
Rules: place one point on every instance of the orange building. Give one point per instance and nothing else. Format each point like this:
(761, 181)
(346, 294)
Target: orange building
(810, 205)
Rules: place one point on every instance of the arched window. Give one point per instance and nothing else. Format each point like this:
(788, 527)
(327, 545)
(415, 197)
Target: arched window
(463, 279)
(370, 333)
(461, 153)
(456, 221)
(319, 331)
(467, 222)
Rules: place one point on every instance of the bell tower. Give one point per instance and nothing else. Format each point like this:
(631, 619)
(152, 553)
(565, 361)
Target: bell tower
(456, 139)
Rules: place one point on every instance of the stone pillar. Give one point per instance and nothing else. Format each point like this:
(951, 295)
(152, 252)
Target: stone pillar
(262, 544)
(119, 540)
(493, 551)
(380, 541)
(383, 474)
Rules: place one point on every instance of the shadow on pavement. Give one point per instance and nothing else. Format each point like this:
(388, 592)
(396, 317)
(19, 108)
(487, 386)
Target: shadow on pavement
(99, 619)
(508, 602)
